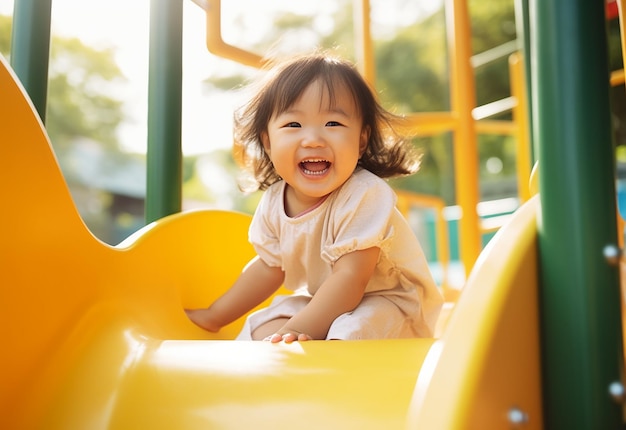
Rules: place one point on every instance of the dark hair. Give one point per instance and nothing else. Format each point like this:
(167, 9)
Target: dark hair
(387, 154)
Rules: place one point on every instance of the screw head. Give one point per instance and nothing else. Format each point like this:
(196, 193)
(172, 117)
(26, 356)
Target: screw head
(616, 390)
(612, 254)
(517, 417)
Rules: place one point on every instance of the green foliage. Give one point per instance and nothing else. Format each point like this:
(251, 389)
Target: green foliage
(492, 23)
(341, 39)
(436, 175)
(82, 119)
(81, 80)
(411, 68)
(213, 179)
(5, 35)
(79, 104)
(225, 83)
(413, 76)
(405, 83)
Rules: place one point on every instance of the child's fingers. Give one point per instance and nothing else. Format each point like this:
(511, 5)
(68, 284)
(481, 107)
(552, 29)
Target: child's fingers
(274, 338)
(287, 337)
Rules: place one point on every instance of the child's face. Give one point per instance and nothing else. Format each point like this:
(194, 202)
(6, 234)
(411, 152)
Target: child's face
(314, 145)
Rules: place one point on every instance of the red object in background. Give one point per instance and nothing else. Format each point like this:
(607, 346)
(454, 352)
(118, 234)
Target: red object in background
(611, 9)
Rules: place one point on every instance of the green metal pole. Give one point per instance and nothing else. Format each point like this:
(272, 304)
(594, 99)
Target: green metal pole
(164, 175)
(580, 296)
(30, 49)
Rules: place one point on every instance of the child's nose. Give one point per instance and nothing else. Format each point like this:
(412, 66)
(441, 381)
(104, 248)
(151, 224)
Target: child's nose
(313, 138)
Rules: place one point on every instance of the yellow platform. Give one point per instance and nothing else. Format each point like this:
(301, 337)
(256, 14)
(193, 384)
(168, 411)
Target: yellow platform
(95, 336)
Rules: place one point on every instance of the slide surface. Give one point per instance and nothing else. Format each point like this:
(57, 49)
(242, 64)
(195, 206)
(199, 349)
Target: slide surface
(95, 336)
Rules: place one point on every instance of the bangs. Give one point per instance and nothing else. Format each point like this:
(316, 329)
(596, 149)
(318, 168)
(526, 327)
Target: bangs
(295, 80)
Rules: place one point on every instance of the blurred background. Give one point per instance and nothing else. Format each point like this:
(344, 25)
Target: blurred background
(98, 85)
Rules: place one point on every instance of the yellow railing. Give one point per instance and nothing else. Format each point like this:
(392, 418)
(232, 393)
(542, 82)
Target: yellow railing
(408, 200)
(216, 44)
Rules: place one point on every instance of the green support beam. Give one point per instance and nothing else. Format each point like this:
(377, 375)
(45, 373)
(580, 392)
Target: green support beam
(164, 175)
(580, 297)
(30, 49)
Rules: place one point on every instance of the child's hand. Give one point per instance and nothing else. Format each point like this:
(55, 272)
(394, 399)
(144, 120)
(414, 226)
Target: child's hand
(202, 318)
(288, 337)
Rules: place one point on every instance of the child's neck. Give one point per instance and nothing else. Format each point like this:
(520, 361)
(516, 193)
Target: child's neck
(295, 206)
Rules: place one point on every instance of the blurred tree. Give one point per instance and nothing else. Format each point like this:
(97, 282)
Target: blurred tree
(5, 35)
(82, 119)
(492, 24)
(81, 80)
(412, 67)
(412, 74)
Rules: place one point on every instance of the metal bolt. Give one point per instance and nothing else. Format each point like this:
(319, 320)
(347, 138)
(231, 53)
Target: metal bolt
(612, 254)
(616, 390)
(517, 417)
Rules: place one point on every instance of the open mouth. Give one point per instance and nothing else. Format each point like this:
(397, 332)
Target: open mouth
(316, 166)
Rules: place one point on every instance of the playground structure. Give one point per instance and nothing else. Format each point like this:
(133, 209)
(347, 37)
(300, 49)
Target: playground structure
(96, 337)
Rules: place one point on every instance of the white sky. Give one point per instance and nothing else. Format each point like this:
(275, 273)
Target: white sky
(207, 118)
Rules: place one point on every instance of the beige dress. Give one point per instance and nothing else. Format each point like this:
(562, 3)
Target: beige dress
(401, 299)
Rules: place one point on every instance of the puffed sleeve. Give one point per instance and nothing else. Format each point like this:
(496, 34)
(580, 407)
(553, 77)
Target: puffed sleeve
(361, 218)
(263, 233)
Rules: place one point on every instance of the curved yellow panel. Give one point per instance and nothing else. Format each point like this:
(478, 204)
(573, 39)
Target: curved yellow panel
(42, 237)
(487, 363)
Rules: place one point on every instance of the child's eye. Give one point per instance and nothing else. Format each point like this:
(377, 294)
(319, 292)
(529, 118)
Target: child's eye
(292, 124)
(333, 124)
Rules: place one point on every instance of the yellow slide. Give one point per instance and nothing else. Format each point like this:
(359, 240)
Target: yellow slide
(95, 336)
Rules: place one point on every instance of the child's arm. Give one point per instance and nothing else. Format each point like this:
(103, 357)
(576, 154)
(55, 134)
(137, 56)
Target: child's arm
(340, 293)
(256, 283)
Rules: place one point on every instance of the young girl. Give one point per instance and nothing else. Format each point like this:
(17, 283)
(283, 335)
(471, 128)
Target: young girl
(326, 227)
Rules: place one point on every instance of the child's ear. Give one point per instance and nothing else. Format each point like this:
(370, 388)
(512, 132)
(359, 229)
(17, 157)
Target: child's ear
(364, 140)
(265, 141)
